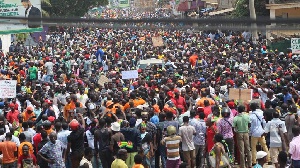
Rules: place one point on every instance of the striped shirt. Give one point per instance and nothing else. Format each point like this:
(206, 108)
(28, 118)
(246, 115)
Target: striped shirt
(172, 144)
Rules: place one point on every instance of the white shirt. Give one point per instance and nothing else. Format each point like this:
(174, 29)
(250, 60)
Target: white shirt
(63, 137)
(28, 10)
(90, 139)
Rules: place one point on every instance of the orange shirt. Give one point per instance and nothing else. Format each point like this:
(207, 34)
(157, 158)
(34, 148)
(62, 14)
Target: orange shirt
(137, 166)
(136, 102)
(114, 109)
(193, 60)
(26, 116)
(200, 103)
(20, 151)
(8, 148)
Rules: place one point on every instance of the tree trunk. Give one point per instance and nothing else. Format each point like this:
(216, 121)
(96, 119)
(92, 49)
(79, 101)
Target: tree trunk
(253, 17)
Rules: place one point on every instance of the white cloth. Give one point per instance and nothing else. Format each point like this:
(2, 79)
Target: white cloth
(84, 160)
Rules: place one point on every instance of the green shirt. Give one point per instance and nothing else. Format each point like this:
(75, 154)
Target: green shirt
(240, 123)
(33, 72)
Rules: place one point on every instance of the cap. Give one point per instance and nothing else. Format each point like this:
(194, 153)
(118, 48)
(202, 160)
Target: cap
(115, 126)
(29, 108)
(74, 125)
(51, 118)
(261, 154)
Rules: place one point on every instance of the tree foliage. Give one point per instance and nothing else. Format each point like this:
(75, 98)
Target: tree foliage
(242, 8)
(73, 8)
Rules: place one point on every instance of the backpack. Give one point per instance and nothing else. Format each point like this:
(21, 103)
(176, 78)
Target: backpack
(28, 162)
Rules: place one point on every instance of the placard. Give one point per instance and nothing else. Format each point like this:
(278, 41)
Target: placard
(8, 88)
(103, 79)
(295, 45)
(133, 74)
(157, 41)
(240, 94)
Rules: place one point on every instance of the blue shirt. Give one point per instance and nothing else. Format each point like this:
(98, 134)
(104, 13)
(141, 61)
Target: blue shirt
(99, 54)
(287, 97)
(257, 166)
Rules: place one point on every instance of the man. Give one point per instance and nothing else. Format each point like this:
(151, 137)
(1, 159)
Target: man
(28, 114)
(119, 162)
(199, 138)
(29, 135)
(200, 102)
(27, 159)
(172, 143)
(261, 158)
(225, 128)
(187, 132)
(86, 160)
(9, 151)
(102, 143)
(76, 141)
(53, 150)
(257, 130)
(63, 134)
(47, 111)
(241, 124)
(295, 146)
(22, 138)
(32, 12)
(45, 140)
(12, 115)
(49, 70)
(276, 128)
(32, 70)
(132, 134)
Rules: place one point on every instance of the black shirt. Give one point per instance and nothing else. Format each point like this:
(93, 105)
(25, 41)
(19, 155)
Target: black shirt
(76, 138)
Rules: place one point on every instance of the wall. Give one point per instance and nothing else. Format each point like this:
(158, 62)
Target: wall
(292, 12)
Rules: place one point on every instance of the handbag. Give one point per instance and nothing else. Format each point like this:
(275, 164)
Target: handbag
(224, 162)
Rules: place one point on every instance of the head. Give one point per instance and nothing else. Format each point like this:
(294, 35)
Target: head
(145, 116)
(253, 106)
(261, 157)
(22, 137)
(53, 137)
(44, 135)
(25, 150)
(8, 136)
(218, 138)
(296, 130)
(171, 130)
(185, 119)
(88, 153)
(282, 158)
(26, 3)
(122, 154)
(276, 114)
(138, 159)
(241, 108)
(225, 112)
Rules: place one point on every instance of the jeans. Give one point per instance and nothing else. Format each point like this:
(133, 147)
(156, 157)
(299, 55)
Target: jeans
(244, 149)
(263, 144)
(106, 158)
(296, 163)
(94, 162)
(10, 165)
(68, 162)
(163, 157)
(200, 155)
(49, 78)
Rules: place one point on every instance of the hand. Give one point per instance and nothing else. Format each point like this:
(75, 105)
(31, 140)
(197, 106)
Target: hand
(51, 161)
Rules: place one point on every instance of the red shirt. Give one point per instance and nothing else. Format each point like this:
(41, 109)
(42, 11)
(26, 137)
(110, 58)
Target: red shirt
(31, 156)
(207, 111)
(12, 116)
(179, 101)
(37, 138)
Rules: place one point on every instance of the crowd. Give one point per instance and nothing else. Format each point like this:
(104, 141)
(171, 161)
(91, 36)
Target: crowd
(175, 114)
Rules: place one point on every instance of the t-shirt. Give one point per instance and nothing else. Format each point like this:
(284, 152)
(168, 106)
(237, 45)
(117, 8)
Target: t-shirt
(118, 163)
(186, 133)
(273, 127)
(29, 157)
(173, 144)
(20, 151)
(257, 166)
(49, 68)
(8, 149)
(76, 139)
(33, 72)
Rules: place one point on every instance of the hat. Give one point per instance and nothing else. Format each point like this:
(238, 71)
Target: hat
(29, 108)
(11, 105)
(115, 126)
(261, 154)
(47, 58)
(74, 124)
(51, 118)
(231, 104)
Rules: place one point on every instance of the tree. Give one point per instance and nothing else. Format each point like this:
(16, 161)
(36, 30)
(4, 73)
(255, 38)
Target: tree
(46, 4)
(73, 8)
(242, 8)
(253, 16)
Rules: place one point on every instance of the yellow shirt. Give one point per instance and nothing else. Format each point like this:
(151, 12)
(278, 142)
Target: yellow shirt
(118, 163)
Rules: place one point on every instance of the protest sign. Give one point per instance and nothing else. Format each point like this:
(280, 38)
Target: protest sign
(240, 94)
(103, 79)
(130, 74)
(8, 88)
(157, 41)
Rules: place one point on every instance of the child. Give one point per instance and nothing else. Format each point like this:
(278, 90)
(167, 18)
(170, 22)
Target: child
(138, 160)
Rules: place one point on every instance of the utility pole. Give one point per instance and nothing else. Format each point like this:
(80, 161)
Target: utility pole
(253, 17)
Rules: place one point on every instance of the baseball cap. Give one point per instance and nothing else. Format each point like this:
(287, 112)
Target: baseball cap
(261, 154)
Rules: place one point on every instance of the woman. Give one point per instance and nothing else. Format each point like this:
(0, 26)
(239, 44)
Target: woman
(217, 152)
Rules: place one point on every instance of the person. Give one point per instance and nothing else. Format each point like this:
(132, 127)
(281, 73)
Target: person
(9, 152)
(172, 143)
(31, 12)
(76, 141)
(45, 139)
(241, 124)
(218, 151)
(120, 160)
(278, 136)
(49, 70)
(22, 138)
(54, 151)
(282, 160)
(86, 159)
(261, 158)
(295, 146)
(102, 139)
(187, 132)
(12, 115)
(26, 159)
(29, 135)
(138, 160)
(257, 131)
(116, 138)
(28, 114)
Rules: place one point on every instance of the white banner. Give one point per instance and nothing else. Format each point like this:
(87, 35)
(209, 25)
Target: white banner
(130, 74)
(295, 45)
(8, 88)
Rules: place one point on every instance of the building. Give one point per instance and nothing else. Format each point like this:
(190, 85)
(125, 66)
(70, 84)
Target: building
(226, 4)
